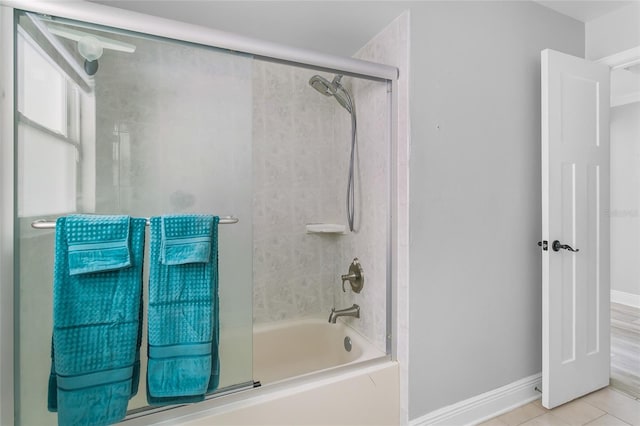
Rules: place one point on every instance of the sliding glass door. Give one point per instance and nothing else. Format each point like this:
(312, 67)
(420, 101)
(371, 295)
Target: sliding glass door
(148, 127)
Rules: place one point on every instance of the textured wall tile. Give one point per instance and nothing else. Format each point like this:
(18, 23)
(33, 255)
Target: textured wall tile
(292, 187)
(302, 144)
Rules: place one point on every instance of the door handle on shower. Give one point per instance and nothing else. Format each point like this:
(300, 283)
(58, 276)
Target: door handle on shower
(557, 246)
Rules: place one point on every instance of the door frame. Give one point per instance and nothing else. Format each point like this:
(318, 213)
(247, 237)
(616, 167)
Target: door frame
(623, 59)
(619, 61)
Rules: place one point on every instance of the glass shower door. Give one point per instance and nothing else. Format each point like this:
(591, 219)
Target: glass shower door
(161, 127)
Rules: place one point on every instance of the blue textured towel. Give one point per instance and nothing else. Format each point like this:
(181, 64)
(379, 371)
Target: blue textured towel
(104, 248)
(183, 313)
(96, 326)
(185, 241)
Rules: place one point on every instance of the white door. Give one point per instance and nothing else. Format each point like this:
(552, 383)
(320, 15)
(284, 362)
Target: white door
(575, 207)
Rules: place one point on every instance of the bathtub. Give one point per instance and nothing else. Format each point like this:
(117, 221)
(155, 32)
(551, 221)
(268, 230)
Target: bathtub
(308, 378)
(291, 348)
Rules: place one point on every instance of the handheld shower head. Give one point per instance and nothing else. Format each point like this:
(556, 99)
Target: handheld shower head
(342, 95)
(321, 84)
(344, 99)
(333, 88)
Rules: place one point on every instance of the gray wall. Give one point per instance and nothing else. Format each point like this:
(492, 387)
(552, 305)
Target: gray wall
(475, 310)
(475, 290)
(613, 32)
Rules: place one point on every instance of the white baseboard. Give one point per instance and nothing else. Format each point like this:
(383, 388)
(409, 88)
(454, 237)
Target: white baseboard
(623, 298)
(485, 406)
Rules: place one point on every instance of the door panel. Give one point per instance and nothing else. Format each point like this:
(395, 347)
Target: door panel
(575, 196)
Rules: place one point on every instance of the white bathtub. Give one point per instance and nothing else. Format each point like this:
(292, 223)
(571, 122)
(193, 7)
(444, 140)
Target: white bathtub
(366, 394)
(291, 348)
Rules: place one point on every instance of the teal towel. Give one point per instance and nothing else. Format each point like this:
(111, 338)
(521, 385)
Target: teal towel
(97, 248)
(185, 241)
(183, 325)
(96, 326)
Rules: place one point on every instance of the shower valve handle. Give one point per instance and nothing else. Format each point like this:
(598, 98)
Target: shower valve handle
(355, 277)
(348, 277)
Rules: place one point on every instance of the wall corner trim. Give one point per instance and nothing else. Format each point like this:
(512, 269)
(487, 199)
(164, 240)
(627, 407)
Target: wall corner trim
(484, 406)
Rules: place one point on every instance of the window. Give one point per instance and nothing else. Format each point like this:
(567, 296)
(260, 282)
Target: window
(48, 134)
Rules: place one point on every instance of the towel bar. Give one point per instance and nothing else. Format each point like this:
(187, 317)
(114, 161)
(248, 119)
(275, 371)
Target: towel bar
(51, 224)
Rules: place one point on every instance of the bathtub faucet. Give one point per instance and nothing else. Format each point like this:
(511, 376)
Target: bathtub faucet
(353, 311)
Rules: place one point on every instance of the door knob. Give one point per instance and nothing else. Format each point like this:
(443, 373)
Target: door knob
(557, 246)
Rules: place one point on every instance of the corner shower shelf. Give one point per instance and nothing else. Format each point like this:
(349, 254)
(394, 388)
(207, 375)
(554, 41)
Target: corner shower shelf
(326, 228)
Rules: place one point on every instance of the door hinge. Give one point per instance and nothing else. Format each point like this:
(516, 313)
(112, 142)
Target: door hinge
(544, 244)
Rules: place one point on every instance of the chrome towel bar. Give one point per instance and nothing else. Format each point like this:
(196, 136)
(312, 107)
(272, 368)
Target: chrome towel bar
(51, 224)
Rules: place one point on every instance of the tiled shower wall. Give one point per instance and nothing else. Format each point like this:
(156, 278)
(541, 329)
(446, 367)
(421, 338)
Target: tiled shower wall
(301, 158)
(295, 183)
(369, 244)
(301, 147)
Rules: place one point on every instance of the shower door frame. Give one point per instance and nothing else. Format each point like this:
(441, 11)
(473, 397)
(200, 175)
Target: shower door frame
(7, 103)
(131, 21)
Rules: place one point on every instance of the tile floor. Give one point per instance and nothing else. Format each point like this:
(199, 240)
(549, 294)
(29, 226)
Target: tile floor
(606, 407)
(625, 349)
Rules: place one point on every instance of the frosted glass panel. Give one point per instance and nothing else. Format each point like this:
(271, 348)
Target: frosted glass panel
(46, 174)
(41, 87)
(166, 129)
(177, 120)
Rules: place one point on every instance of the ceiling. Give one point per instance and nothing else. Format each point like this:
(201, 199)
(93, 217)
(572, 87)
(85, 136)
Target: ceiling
(335, 27)
(584, 11)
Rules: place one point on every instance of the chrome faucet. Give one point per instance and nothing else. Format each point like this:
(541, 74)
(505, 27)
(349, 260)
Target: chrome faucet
(353, 311)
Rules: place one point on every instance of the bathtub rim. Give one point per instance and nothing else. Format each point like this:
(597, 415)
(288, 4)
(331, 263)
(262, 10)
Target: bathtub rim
(247, 397)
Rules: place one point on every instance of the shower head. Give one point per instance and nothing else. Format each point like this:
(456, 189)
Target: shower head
(333, 88)
(322, 85)
(344, 99)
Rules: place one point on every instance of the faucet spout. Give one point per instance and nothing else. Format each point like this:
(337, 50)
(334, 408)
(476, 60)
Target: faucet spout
(353, 311)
